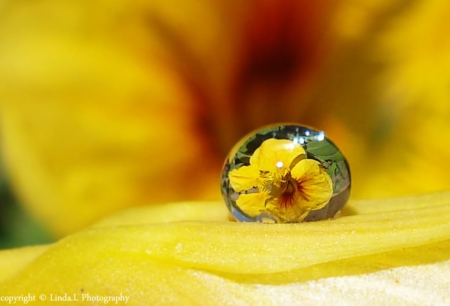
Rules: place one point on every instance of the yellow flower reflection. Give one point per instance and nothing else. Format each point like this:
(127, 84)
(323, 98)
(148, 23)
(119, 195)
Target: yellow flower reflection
(282, 182)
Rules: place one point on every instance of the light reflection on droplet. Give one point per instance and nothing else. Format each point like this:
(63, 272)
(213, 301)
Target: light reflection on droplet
(321, 136)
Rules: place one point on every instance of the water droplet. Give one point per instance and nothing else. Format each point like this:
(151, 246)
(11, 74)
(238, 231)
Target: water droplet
(256, 192)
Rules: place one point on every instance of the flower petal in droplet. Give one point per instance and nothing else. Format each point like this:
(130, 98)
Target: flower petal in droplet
(252, 204)
(244, 178)
(315, 184)
(291, 213)
(276, 155)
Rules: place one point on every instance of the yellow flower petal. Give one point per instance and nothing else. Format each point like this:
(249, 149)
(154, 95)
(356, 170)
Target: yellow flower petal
(244, 178)
(12, 261)
(292, 213)
(246, 263)
(277, 155)
(252, 204)
(316, 184)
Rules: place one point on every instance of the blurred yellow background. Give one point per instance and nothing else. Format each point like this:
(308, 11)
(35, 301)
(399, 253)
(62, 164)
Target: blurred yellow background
(111, 104)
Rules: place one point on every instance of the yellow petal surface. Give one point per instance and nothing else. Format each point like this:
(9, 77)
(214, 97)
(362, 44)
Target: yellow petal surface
(276, 155)
(244, 178)
(15, 259)
(253, 203)
(316, 184)
(391, 252)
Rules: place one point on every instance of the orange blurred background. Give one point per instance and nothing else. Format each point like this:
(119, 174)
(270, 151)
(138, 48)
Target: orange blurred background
(111, 104)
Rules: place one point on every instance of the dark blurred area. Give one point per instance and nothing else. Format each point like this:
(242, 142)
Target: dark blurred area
(17, 228)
